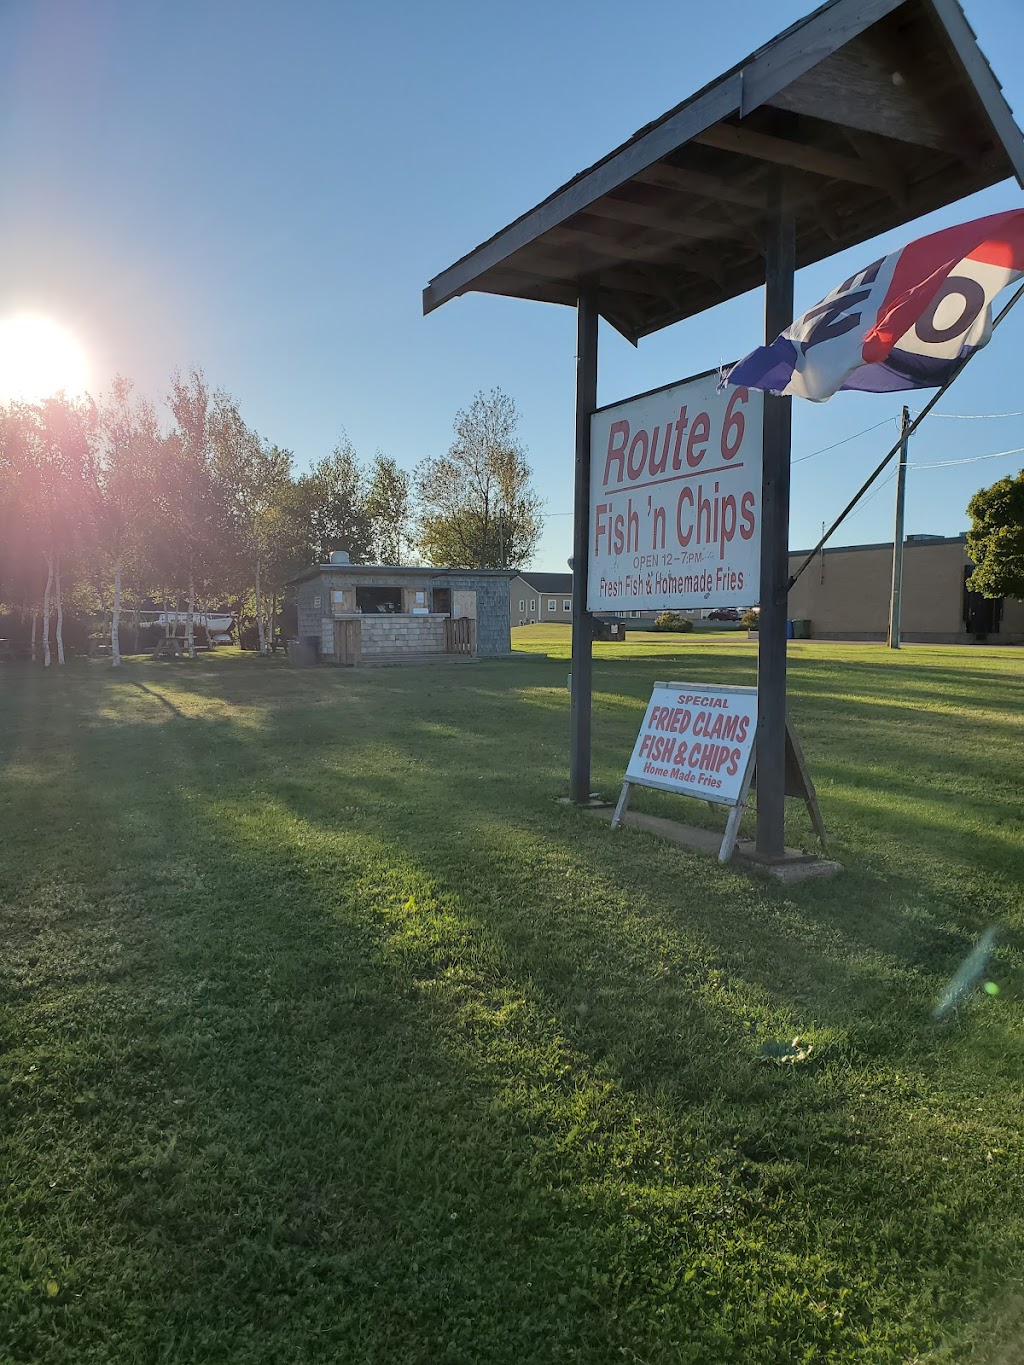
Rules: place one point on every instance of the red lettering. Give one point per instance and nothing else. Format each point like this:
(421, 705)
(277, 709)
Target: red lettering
(699, 432)
(680, 428)
(616, 452)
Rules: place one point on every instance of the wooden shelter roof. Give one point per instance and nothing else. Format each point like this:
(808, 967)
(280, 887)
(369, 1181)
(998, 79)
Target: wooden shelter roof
(877, 111)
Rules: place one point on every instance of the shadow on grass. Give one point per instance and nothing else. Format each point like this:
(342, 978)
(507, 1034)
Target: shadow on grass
(405, 1054)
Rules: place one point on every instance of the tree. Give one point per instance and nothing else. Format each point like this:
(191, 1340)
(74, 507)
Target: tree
(387, 505)
(253, 476)
(996, 539)
(477, 507)
(131, 447)
(192, 501)
(333, 498)
(49, 456)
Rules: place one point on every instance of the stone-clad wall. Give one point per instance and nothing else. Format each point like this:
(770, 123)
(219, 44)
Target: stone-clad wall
(492, 607)
(493, 634)
(401, 635)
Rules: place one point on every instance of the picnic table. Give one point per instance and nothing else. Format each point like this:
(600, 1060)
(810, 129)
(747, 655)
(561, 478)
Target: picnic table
(171, 647)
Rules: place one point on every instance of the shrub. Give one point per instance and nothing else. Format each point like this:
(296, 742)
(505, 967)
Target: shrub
(750, 618)
(672, 621)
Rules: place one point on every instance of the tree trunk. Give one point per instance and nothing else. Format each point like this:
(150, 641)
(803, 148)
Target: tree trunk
(190, 635)
(167, 617)
(35, 631)
(138, 610)
(260, 624)
(60, 617)
(273, 624)
(115, 621)
(46, 611)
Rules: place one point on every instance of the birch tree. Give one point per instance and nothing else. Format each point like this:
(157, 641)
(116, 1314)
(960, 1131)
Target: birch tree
(131, 447)
(191, 503)
(253, 475)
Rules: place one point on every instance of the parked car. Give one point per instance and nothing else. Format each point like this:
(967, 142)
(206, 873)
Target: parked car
(724, 614)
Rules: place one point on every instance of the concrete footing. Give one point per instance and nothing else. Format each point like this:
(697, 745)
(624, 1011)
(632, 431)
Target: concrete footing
(793, 866)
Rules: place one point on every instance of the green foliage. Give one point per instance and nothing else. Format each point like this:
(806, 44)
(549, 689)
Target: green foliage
(330, 1036)
(751, 619)
(996, 539)
(673, 622)
(477, 506)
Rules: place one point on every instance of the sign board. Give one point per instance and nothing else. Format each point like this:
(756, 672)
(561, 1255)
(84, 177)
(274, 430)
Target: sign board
(675, 501)
(697, 741)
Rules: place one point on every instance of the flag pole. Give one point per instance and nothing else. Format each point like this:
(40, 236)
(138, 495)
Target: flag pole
(904, 436)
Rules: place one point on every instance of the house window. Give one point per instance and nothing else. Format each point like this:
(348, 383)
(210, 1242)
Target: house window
(567, 604)
(522, 604)
(552, 604)
(533, 604)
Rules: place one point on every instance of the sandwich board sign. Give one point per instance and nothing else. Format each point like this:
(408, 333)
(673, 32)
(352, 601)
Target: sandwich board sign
(696, 740)
(700, 740)
(675, 502)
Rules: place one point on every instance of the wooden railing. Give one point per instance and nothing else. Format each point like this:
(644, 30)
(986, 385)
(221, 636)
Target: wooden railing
(460, 635)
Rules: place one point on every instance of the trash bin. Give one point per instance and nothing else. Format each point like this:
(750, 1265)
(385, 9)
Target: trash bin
(302, 653)
(790, 631)
(801, 628)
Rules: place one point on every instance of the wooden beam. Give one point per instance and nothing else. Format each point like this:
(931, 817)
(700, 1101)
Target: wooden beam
(984, 86)
(672, 132)
(873, 152)
(669, 177)
(662, 219)
(764, 147)
(856, 89)
(633, 248)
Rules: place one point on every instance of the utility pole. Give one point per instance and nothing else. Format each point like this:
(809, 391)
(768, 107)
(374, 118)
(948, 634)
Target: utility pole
(897, 543)
(501, 537)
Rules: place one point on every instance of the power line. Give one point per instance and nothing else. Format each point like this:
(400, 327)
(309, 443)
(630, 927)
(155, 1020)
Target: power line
(845, 441)
(975, 416)
(970, 459)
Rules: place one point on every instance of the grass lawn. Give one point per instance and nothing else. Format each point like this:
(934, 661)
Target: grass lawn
(329, 1036)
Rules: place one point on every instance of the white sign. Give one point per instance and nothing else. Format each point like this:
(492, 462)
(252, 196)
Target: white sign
(696, 741)
(675, 502)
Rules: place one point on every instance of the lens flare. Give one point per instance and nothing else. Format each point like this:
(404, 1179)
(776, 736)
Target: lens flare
(39, 358)
(968, 975)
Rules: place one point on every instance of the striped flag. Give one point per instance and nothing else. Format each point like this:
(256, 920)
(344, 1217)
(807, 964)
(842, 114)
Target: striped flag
(905, 322)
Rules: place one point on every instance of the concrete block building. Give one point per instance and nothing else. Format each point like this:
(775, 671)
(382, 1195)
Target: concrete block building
(377, 613)
(845, 594)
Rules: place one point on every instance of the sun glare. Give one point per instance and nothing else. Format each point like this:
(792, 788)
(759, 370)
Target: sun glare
(38, 358)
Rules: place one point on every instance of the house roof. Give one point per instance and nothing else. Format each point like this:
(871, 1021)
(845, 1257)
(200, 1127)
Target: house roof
(864, 115)
(554, 583)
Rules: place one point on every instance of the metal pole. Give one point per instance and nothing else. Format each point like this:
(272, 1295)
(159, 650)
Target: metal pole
(780, 267)
(582, 625)
(897, 540)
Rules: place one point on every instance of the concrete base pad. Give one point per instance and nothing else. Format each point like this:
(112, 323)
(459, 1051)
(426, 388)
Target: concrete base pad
(596, 803)
(793, 866)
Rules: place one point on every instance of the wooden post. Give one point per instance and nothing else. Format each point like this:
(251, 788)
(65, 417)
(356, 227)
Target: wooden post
(780, 267)
(897, 540)
(582, 644)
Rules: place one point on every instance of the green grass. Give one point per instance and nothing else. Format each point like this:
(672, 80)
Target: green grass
(330, 1036)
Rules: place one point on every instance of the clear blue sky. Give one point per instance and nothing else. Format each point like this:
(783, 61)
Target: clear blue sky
(264, 189)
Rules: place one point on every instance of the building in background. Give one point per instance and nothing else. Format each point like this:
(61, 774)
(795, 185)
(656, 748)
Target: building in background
(540, 597)
(377, 613)
(846, 593)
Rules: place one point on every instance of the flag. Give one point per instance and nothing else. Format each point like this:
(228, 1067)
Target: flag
(905, 322)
